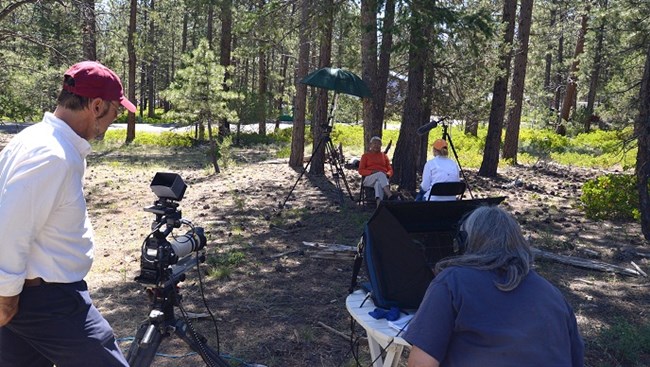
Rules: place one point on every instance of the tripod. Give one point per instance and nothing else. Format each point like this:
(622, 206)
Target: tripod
(447, 137)
(335, 165)
(162, 322)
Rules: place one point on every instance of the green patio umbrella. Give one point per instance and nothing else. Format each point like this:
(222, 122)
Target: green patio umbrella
(338, 80)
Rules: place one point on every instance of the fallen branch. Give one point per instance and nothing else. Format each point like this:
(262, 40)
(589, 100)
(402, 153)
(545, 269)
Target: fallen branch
(638, 268)
(284, 253)
(342, 335)
(332, 256)
(585, 281)
(585, 263)
(330, 246)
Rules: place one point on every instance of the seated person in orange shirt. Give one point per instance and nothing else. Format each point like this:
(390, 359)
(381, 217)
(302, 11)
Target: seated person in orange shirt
(376, 169)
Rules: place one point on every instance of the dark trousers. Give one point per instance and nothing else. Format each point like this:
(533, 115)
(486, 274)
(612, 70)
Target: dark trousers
(57, 324)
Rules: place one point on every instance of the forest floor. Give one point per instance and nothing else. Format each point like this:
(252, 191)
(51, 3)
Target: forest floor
(277, 303)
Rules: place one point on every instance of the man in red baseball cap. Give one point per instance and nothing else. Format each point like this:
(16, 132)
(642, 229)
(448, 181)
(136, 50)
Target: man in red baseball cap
(93, 85)
(46, 314)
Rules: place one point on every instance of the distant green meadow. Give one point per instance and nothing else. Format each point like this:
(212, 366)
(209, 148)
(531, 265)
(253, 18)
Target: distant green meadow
(597, 149)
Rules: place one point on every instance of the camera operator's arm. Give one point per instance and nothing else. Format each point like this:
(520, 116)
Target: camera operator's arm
(8, 309)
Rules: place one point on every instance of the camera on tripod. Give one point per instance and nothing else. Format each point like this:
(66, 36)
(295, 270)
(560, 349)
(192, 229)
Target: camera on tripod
(164, 260)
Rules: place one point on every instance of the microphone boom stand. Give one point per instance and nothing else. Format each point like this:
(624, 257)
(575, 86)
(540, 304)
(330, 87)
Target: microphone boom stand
(447, 137)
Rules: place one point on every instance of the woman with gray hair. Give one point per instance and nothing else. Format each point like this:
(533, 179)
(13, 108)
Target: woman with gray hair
(489, 307)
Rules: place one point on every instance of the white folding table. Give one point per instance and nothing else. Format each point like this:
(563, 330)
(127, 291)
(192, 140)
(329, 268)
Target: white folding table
(381, 337)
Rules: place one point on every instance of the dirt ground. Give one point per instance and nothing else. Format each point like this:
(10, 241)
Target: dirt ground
(280, 305)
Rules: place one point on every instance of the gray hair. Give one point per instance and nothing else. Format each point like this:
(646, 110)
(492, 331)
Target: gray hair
(375, 138)
(494, 242)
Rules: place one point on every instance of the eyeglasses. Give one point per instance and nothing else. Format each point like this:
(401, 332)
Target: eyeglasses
(118, 107)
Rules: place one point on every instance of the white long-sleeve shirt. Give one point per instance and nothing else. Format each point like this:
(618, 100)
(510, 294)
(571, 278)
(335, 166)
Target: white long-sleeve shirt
(43, 217)
(439, 169)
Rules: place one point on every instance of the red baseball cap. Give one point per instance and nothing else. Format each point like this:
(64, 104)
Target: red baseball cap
(91, 79)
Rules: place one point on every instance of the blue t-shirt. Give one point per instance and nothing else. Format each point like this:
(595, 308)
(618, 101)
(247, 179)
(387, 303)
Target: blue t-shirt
(465, 320)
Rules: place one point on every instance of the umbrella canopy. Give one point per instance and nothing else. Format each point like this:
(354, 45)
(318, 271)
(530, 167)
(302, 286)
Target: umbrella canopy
(338, 80)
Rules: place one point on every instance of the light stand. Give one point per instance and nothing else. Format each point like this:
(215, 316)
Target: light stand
(335, 166)
(447, 137)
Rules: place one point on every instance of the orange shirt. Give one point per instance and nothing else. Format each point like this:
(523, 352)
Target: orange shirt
(375, 161)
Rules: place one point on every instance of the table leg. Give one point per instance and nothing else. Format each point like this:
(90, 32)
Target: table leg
(393, 355)
(375, 352)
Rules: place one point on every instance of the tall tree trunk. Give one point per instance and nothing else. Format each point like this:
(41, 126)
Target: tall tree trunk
(558, 75)
(298, 133)
(511, 141)
(423, 140)
(88, 30)
(186, 19)
(369, 65)
(262, 92)
(284, 65)
(429, 91)
(319, 125)
(209, 34)
(143, 69)
(499, 94)
(404, 166)
(548, 60)
(595, 72)
(151, 96)
(225, 54)
(381, 83)
(559, 70)
(262, 89)
(133, 14)
(642, 130)
(471, 126)
(572, 83)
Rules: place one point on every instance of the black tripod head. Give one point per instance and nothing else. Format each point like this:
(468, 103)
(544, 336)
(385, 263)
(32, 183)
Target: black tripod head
(445, 126)
(327, 129)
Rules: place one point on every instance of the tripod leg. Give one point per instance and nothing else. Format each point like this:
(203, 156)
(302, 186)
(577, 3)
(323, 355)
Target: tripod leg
(302, 173)
(447, 137)
(334, 160)
(198, 344)
(141, 355)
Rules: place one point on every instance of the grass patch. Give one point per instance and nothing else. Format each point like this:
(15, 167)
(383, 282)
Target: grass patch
(628, 344)
(221, 266)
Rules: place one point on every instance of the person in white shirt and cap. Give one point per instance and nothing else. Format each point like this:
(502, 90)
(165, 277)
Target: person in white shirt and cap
(46, 315)
(440, 168)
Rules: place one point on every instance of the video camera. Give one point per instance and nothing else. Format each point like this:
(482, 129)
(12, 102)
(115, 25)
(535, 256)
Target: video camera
(163, 261)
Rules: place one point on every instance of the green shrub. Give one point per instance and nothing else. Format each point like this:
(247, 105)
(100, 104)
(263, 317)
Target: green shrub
(160, 117)
(540, 143)
(626, 342)
(612, 196)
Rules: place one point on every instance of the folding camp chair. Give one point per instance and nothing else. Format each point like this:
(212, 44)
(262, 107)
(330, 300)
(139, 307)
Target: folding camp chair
(366, 194)
(447, 189)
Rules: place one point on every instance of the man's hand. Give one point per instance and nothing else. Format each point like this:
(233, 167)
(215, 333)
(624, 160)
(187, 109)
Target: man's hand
(8, 309)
